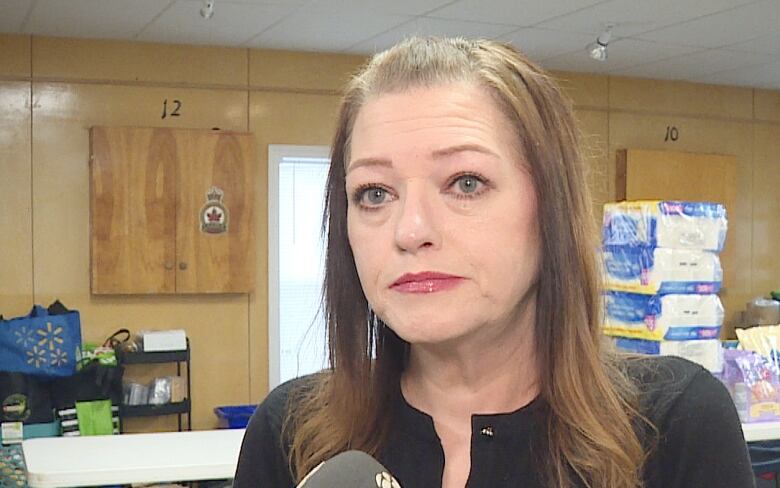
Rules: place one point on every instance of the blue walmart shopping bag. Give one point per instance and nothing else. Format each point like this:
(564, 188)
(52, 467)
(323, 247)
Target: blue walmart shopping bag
(41, 343)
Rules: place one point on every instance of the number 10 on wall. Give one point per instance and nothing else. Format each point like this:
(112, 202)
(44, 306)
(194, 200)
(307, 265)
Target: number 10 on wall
(672, 134)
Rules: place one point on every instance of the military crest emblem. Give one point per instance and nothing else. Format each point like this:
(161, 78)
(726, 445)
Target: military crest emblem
(214, 214)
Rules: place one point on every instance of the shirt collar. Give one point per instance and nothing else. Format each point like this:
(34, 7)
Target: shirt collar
(502, 427)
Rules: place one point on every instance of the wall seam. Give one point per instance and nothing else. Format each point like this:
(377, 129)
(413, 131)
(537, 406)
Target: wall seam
(32, 176)
(248, 64)
(611, 184)
(173, 84)
(683, 115)
(752, 195)
(249, 335)
(249, 362)
(15, 78)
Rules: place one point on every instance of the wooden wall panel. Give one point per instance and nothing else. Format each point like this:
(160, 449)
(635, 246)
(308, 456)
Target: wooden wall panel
(635, 131)
(79, 59)
(767, 105)
(278, 118)
(62, 116)
(217, 327)
(16, 259)
(288, 70)
(766, 210)
(589, 91)
(679, 97)
(14, 56)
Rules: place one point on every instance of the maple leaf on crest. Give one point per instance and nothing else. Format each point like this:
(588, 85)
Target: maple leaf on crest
(214, 215)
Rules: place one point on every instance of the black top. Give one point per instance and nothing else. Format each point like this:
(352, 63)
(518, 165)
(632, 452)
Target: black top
(700, 441)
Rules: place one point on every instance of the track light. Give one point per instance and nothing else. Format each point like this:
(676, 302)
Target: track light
(207, 11)
(598, 50)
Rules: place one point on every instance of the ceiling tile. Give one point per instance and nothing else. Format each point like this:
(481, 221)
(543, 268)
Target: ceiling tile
(577, 62)
(423, 26)
(769, 44)
(683, 39)
(12, 13)
(764, 76)
(631, 17)
(398, 7)
(622, 53)
(231, 25)
(516, 12)
(289, 3)
(544, 43)
(92, 18)
(335, 32)
(696, 65)
(724, 28)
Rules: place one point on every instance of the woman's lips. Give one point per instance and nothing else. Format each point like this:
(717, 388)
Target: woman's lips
(426, 282)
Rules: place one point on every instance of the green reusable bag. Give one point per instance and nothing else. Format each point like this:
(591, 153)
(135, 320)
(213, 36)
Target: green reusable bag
(95, 417)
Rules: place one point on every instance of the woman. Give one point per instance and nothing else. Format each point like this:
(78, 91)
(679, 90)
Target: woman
(462, 299)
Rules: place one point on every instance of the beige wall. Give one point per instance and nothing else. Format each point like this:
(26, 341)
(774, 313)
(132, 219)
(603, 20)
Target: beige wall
(53, 90)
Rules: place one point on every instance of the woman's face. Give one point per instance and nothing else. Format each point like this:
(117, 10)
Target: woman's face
(442, 213)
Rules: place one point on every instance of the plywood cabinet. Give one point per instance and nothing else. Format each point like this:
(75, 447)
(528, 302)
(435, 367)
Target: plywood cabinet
(171, 211)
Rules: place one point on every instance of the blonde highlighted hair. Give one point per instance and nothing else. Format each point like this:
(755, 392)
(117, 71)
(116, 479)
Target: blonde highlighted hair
(591, 405)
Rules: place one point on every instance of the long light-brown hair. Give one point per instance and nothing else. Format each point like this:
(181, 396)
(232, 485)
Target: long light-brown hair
(590, 404)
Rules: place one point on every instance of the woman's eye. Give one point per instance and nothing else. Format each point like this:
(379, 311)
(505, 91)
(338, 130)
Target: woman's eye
(371, 197)
(468, 183)
(375, 196)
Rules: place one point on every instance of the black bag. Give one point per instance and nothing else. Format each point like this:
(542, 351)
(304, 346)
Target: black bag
(25, 398)
(94, 381)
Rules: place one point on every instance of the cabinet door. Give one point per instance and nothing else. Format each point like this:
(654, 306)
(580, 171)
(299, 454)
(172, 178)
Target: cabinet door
(215, 237)
(133, 210)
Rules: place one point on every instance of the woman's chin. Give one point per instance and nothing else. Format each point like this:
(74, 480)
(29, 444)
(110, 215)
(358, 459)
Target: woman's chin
(428, 333)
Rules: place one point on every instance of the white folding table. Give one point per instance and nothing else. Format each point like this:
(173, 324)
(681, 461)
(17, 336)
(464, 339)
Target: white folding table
(761, 431)
(60, 462)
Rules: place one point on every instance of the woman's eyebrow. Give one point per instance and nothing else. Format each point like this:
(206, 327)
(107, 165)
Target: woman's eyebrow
(449, 151)
(363, 162)
(437, 154)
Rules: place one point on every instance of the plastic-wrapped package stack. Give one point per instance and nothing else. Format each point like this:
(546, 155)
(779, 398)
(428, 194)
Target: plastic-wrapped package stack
(662, 273)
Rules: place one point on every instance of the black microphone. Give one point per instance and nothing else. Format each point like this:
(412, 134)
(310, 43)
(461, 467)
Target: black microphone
(351, 469)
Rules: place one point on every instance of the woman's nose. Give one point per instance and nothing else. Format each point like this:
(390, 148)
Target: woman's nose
(416, 228)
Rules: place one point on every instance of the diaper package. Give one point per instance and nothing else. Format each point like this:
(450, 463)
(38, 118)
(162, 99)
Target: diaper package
(662, 317)
(708, 353)
(649, 270)
(670, 224)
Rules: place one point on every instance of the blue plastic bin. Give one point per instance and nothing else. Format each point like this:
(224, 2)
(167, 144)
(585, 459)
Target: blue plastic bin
(234, 416)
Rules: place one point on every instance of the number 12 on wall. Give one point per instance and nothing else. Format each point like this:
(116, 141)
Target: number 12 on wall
(173, 110)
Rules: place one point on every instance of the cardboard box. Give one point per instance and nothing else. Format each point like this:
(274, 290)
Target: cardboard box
(164, 340)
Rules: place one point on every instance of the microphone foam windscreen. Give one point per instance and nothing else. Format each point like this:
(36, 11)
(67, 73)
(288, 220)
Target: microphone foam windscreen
(351, 469)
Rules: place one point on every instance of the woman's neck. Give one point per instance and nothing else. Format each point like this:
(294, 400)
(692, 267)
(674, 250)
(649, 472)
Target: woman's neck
(495, 371)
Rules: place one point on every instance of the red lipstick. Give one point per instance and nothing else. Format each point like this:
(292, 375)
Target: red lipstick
(425, 282)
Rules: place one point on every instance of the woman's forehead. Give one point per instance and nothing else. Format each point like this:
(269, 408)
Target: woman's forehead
(443, 114)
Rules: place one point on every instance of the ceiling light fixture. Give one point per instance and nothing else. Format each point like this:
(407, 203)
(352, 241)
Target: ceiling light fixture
(207, 11)
(598, 50)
